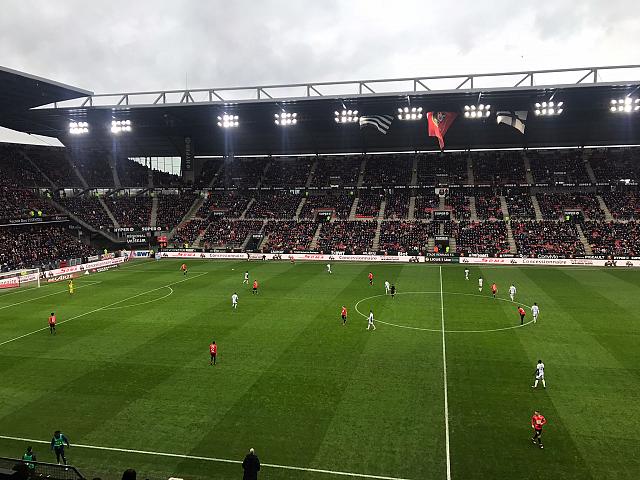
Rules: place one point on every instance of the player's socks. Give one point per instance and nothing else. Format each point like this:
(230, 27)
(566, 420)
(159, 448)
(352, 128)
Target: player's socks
(544, 384)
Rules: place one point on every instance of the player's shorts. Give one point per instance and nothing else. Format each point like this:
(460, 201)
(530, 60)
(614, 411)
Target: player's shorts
(213, 355)
(344, 317)
(540, 377)
(255, 289)
(535, 317)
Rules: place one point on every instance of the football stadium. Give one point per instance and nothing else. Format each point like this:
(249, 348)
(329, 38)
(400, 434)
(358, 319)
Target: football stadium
(354, 279)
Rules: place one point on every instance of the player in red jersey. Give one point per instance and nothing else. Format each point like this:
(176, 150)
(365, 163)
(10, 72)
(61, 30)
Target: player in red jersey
(494, 289)
(343, 314)
(213, 351)
(183, 267)
(537, 422)
(255, 287)
(370, 278)
(522, 314)
(52, 323)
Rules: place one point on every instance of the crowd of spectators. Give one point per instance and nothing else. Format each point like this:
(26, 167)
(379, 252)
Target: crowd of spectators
(488, 207)
(479, 237)
(131, 173)
(231, 204)
(340, 204)
(546, 237)
(459, 204)
(289, 235)
(425, 204)
(172, 209)
(230, 233)
(368, 204)
(130, 211)
(520, 206)
(609, 238)
(553, 205)
(18, 202)
(354, 236)
(498, 168)
(208, 171)
(54, 164)
(40, 246)
(557, 166)
(616, 164)
(288, 172)
(442, 169)
(88, 209)
(388, 170)
(337, 171)
(623, 205)
(403, 236)
(397, 205)
(240, 173)
(94, 168)
(188, 232)
(281, 205)
(15, 171)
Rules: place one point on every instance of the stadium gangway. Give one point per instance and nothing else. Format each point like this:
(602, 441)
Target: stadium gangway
(471, 82)
(50, 471)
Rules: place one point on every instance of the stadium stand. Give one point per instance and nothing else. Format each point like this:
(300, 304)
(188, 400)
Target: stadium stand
(172, 208)
(368, 204)
(340, 204)
(520, 206)
(498, 168)
(288, 235)
(230, 233)
(274, 205)
(479, 237)
(623, 205)
(546, 237)
(554, 167)
(87, 208)
(337, 171)
(425, 204)
(488, 207)
(354, 236)
(397, 205)
(388, 170)
(130, 211)
(289, 172)
(442, 169)
(553, 205)
(402, 236)
(610, 238)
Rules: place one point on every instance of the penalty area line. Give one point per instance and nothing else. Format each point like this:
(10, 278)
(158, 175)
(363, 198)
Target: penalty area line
(212, 459)
(105, 307)
(88, 284)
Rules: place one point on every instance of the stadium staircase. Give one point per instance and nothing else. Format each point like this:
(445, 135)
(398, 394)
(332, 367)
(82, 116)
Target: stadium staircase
(603, 206)
(216, 175)
(470, 176)
(414, 172)
(527, 169)
(376, 237)
(472, 209)
(583, 239)
(431, 243)
(536, 208)
(303, 200)
(37, 168)
(311, 173)
(108, 235)
(150, 178)
(504, 207)
(441, 205)
(363, 165)
(114, 171)
(244, 214)
(153, 221)
(75, 169)
(453, 246)
(250, 235)
(110, 215)
(586, 156)
(190, 215)
(412, 208)
(513, 248)
(316, 237)
(354, 208)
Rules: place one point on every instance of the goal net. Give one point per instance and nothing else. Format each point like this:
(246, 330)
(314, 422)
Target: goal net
(25, 278)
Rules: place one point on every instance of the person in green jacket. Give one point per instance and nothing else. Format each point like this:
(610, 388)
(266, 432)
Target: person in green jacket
(29, 457)
(57, 444)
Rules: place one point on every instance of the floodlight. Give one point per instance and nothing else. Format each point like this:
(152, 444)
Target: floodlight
(346, 116)
(228, 121)
(548, 109)
(477, 111)
(284, 119)
(119, 126)
(78, 128)
(627, 105)
(410, 113)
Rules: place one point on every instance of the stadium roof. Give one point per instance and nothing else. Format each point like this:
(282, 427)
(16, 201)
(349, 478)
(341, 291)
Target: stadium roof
(161, 120)
(21, 91)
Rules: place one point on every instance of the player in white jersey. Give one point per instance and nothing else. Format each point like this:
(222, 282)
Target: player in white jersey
(512, 292)
(246, 278)
(234, 300)
(466, 274)
(387, 287)
(480, 283)
(370, 323)
(328, 268)
(539, 375)
(535, 311)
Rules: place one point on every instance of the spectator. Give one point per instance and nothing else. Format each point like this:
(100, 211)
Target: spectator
(129, 474)
(250, 465)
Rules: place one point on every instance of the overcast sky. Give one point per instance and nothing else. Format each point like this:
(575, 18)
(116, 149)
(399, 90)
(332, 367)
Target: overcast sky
(114, 45)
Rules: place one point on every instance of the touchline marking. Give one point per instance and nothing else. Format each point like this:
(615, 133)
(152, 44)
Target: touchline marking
(444, 375)
(47, 295)
(407, 327)
(100, 308)
(212, 459)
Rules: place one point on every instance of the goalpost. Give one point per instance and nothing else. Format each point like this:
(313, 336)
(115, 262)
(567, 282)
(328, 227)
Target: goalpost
(24, 278)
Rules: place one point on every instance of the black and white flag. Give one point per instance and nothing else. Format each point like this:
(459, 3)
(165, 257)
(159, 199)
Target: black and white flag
(381, 122)
(517, 120)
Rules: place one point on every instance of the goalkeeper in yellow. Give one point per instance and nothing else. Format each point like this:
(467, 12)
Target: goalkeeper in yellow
(70, 287)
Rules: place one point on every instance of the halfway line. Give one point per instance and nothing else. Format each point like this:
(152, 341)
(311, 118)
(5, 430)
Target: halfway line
(101, 308)
(213, 459)
(444, 374)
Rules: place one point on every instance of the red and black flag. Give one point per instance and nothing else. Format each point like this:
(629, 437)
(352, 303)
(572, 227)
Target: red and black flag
(439, 123)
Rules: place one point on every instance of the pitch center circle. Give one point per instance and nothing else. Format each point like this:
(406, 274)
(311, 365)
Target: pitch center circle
(439, 330)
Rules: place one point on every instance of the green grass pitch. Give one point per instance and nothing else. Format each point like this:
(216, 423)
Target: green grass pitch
(305, 391)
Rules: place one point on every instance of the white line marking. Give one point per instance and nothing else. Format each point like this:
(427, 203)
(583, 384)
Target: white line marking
(100, 308)
(488, 330)
(444, 375)
(48, 295)
(142, 303)
(213, 459)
